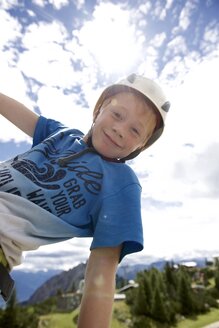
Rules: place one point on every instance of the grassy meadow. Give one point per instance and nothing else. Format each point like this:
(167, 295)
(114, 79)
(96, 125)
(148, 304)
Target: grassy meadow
(121, 317)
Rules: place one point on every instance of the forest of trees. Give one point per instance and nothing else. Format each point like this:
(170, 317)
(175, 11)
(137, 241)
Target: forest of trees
(163, 297)
(23, 316)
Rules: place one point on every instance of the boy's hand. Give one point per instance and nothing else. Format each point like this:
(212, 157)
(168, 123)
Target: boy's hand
(18, 114)
(98, 296)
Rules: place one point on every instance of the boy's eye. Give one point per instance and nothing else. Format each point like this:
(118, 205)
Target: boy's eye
(117, 114)
(135, 131)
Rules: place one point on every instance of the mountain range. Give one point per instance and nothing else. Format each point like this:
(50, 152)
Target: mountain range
(34, 287)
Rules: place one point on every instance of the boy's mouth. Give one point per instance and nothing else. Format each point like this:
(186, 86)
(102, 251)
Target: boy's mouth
(111, 140)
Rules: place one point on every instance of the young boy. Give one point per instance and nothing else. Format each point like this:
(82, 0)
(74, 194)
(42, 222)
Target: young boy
(74, 185)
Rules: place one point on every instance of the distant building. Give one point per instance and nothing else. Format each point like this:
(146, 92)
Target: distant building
(189, 264)
(120, 295)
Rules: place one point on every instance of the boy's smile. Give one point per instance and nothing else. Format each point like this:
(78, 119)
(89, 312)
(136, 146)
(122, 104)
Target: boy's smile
(124, 124)
(110, 140)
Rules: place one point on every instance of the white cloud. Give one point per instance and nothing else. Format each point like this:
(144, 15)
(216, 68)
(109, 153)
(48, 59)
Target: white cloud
(48, 65)
(158, 40)
(40, 3)
(114, 38)
(172, 227)
(11, 28)
(7, 86)
(31, 13)
(210, 42)
(10, 133)
(53, 103)
(200, 172)
(149, 63)
(186, 14)
(44, 58)
(162, 12)
(158, 9)
(212, 33)
(198, 97)
(63, 256)
(169, 4)
(57, 4)
(176, 46)
(145, 8)
(175, 70)
(39, 34)
(79, 3)
(8, 4)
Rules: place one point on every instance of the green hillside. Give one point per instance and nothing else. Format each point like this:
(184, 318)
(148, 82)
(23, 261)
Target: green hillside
(67, 320)
(121, 318)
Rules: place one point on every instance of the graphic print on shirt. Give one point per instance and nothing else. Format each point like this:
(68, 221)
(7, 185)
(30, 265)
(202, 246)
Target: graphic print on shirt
(57, 190)
(44, 177)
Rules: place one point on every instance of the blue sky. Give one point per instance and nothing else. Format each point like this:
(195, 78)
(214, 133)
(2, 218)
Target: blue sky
(57, 56)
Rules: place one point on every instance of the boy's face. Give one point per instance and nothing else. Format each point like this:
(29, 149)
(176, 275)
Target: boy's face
(125, 122)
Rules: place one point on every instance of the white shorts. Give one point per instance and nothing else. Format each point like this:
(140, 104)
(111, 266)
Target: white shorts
(25, 226)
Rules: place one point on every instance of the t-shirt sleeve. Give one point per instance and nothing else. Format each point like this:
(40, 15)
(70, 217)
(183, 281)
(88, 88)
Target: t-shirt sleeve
(44, 128)
(119, 222)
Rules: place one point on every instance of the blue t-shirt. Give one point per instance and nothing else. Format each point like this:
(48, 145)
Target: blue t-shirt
(100, 198)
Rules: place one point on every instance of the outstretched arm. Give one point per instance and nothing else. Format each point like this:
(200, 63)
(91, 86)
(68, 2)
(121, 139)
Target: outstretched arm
(98, 296)
(18, 114)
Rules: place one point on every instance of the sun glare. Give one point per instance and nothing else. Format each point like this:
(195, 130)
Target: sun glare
(110, 39)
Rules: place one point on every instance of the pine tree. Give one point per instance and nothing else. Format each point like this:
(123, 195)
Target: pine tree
(15, 316)
(148, 293)
(217, 263)
(216, 279)
(9, 317)
(185, 294)
(161, 284)
(170, 278)
(159, 310)
(142, 304)
(154, 277)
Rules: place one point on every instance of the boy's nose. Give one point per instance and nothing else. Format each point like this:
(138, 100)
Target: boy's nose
(119, 131)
